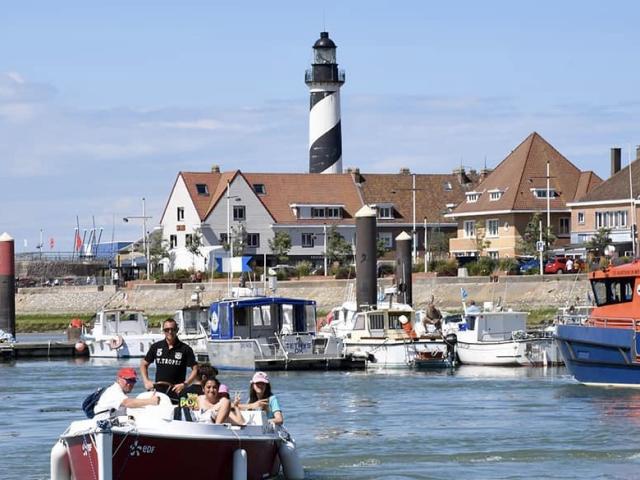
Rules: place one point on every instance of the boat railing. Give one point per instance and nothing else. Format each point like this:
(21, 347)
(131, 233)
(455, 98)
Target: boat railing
(614, 322)
(282, 349)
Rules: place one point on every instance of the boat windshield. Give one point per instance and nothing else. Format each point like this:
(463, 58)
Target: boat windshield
(610, 291)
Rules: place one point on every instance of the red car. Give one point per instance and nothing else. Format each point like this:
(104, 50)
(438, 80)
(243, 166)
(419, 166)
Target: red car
(559, 265)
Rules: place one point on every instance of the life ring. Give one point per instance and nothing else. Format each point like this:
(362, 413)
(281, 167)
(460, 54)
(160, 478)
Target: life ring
(116, 343)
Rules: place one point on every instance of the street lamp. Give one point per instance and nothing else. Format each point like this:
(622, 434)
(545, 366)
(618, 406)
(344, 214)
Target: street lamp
(145, 243)
(230, 252)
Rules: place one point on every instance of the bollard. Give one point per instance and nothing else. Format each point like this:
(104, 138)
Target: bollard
(7, 285)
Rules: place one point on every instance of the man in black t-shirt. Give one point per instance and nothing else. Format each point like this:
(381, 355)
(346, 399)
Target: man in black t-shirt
(172, 357)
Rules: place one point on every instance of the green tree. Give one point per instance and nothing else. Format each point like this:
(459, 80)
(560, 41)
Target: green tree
(280, 245)
(338, 249)
(238, 239)
(158, 249)
(531, 235)
(600, 241)
(195, 245)
(381, 249)
(481, 237)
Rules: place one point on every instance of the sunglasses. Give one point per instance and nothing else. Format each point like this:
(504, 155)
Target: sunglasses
(130, 381)
(169, 330)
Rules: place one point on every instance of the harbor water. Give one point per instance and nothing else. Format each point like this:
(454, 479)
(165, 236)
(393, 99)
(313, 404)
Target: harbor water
(475, 422)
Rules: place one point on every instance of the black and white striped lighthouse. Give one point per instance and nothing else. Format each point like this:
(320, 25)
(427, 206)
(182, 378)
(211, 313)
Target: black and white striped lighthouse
(324, 81)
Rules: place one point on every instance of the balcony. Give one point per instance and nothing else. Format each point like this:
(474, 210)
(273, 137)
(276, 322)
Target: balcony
(322, 73)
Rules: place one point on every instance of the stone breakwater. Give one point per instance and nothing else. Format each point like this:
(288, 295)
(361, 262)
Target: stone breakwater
(515, 292)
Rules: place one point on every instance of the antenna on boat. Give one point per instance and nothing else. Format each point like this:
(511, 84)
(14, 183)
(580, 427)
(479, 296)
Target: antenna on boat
(633, 209)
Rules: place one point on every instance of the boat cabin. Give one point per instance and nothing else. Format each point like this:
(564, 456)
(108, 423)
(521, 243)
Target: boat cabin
(192, 320)
(381, 323)
(120, 322)
(491, 326)
(615, 291)
(259, 317)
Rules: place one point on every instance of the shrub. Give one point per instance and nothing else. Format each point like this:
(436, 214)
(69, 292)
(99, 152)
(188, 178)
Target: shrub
(444, 268)
(481, 267)
(508, 265)
(303, 268)
(418, 267)
(385, 269)
(342, 273)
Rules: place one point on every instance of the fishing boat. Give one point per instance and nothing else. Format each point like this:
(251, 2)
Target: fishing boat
(499, 338)
(605, 349)
(272, 333)
(119, 333)
(149, 443)
(390, 335)
(193, 325)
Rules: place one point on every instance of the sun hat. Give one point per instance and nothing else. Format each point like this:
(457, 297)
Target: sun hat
(127, 373)
(223, 388)
(260, 377)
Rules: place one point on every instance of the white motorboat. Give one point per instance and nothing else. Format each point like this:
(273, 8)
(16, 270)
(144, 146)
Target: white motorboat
(388, 336)
(119, 333)
(500, 338)
(149, 443)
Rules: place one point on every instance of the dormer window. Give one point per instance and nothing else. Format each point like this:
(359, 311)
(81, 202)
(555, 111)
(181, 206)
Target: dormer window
(542, 193)
(447, 186)
(202, 189)
(495, 195)
(472, 197)
(259, 188)
(302, 211)
(385, 211)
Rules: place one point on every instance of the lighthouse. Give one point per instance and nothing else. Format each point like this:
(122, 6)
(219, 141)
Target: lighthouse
(324, 81)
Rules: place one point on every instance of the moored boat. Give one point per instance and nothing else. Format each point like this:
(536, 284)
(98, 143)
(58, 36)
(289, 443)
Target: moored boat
(119, 333)
(148, 443)
(272, 333)
(605, 349)
(194, 327)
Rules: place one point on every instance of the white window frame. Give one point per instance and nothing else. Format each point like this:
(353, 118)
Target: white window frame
(173, 241)
(580, 218)
(542, 193)
(385, 211)
(494, 254)
(472, 197)
(469, 232)
(256, 240)
(387, 238)
(180, 214)
(564, 231)
(493, 222)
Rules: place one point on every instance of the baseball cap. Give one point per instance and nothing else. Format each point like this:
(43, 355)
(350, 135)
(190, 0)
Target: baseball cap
(127, 373)
(223, 389)
(260, 377)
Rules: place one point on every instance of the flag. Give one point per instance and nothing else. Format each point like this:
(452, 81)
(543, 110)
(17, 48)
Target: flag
(52, 243)
(463, 293)
(78, 241)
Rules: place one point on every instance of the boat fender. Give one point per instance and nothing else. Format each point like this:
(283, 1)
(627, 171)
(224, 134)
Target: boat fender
(291, 465)
(407, 327)
(60, 467)
(116, 343)
(80, 347)
(240, 464)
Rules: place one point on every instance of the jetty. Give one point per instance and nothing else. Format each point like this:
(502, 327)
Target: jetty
(42, 349)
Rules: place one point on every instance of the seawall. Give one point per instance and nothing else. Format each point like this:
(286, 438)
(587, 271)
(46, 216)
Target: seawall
(516, 292)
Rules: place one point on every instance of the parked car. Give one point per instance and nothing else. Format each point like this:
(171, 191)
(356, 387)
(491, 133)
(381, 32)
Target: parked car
(559, 265)
(528, 263)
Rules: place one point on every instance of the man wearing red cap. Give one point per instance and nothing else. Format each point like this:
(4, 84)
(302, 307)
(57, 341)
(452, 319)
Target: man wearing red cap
(115, 397)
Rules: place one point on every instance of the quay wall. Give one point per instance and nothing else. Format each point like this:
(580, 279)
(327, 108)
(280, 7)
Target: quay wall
(522, 292)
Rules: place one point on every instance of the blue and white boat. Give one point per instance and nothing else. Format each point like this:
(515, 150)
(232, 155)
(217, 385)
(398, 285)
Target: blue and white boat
(272, 333)
(605, 350)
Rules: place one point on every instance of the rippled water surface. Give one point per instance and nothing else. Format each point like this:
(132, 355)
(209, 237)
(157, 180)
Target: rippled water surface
(477, 422)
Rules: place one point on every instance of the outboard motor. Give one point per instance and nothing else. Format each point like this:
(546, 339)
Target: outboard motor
(451, 339)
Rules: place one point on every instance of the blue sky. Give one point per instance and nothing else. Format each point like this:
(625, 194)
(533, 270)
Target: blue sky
(102, 103)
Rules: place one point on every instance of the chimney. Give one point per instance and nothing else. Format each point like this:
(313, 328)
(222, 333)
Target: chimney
(215, 168)
(484, 173)
(355, 172)
(616, 160)
(462, 175)
(405, 171)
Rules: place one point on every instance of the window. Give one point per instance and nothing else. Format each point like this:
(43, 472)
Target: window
(333, 212)
(188, 238)
(492, 227)
(495, 195)
(259, 188)
(565, 226)
(494, 254)
(469, 228)
(317, 212)
(180, 214)
(613, 219)
(542, 193)
(173, 241)
(615, 290)
(253, 240)
(472, 197)
(239, 213)
(581, 218)
(448, 187)
(308, 240)
(386, 238)
(223, 238)
(202, 189)
(376, 321)
(385, 212)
